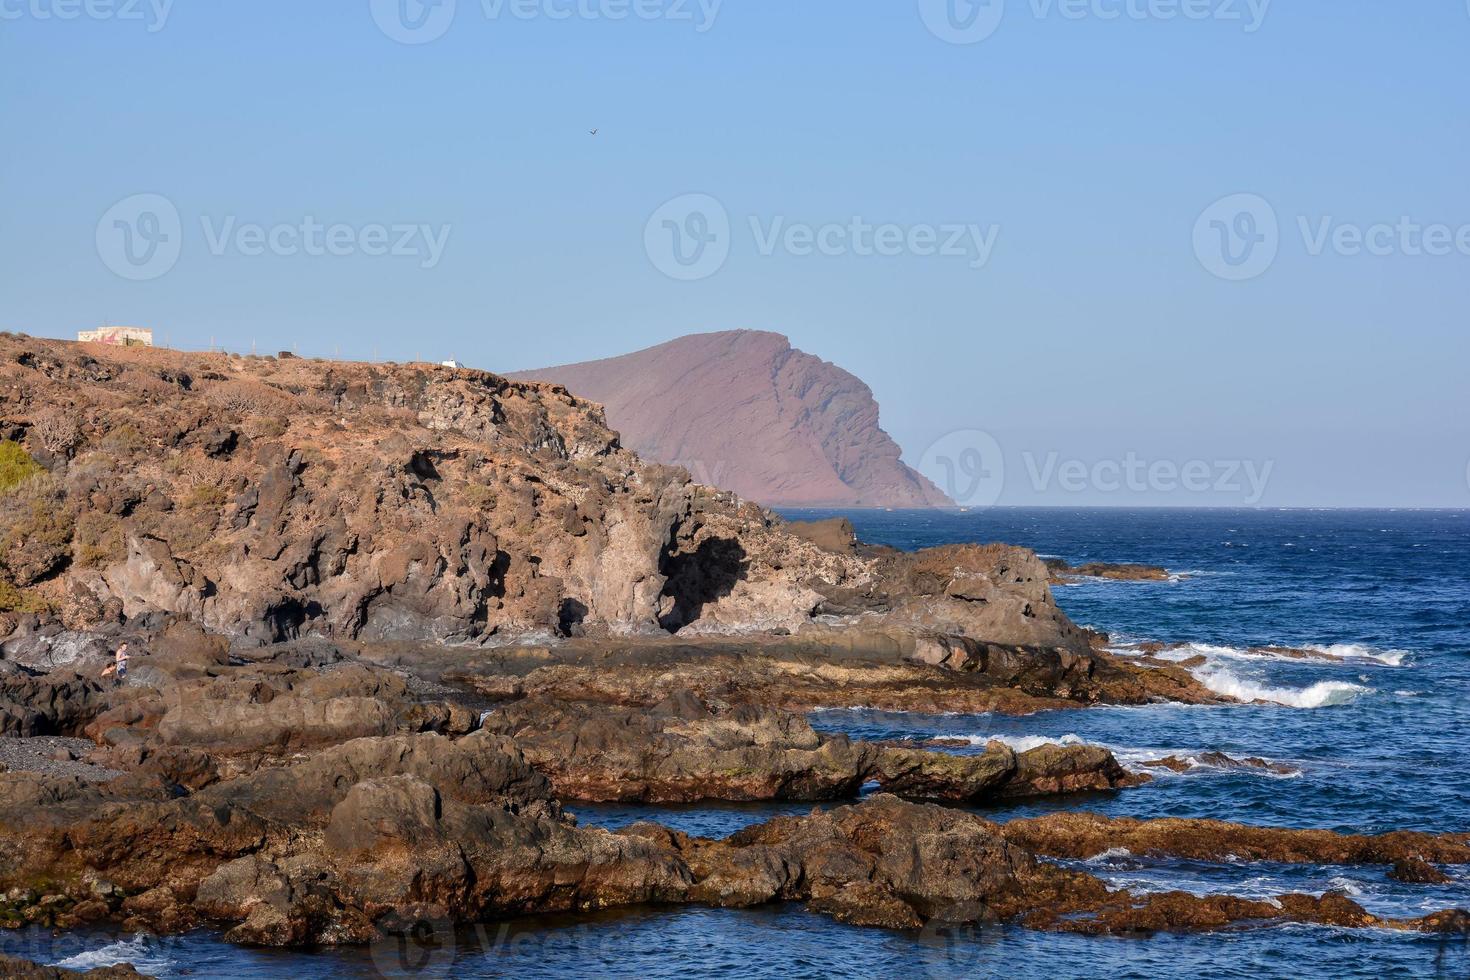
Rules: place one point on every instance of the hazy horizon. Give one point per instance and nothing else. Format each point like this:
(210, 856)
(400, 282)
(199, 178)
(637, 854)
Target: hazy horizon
(1200, 244)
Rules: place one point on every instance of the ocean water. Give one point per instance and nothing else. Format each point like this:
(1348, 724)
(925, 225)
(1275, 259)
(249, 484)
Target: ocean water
(1373, 731)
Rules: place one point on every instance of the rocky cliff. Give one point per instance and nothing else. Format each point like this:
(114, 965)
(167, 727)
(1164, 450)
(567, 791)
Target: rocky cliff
(745, 411)
(267, 498)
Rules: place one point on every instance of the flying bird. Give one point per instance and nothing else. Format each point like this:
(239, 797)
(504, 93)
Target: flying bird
(594, 132)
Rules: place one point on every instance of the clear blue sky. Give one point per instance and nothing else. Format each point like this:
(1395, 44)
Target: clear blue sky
(1094, 144)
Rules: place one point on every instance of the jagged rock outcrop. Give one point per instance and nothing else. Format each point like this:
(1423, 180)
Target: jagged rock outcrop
(267, 499)
(745, 411)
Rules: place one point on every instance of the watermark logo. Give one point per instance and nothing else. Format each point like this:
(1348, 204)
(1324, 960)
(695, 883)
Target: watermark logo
(968, 465)
(1405, 236)
(973, 242)
(413, 21)
(1238, 237)
(963, 21)
(152, 14)
(972, 21)
(414, 943)
(710, 472)
(700, 13)
(688, 238)
(422, 21)
(140, 237)
(424, 242)
(1245, 479)
(1251, 14)
(957, 949)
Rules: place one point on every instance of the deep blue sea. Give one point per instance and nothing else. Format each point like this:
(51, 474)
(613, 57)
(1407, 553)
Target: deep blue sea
(1373, 730)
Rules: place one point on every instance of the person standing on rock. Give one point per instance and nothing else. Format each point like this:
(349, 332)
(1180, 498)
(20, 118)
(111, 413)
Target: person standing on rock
(122, 664)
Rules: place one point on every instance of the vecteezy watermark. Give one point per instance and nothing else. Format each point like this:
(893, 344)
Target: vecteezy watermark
(1244, 478)
(419, 941)
(311, 237)
(962, 21)
(141, 238)
(690, 238)
(956, 949)
(1404, 236)
(422, 21)
(972, 21)
(152, 14)
(971, 242)
(413, 21)
(710, 472)
(1239, 237)
(968, 465)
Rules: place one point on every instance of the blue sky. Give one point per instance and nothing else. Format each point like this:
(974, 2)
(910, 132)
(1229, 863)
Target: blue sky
(1085, 148)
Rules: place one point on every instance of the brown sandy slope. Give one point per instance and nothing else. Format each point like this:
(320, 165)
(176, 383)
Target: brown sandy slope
(746, 411)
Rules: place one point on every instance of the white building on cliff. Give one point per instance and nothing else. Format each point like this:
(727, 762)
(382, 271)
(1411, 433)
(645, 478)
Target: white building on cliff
(118, 336)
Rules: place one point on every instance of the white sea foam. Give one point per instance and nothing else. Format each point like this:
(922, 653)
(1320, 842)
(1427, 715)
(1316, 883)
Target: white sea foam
(1322, 652)
(1133, 758)
(1025, 743)
(141, 951)
(1318, 695)
(1128, 757)
(1111, 854)
(1359, 651)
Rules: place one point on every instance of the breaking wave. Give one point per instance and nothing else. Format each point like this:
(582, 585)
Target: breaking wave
(1319, 695)
(1359, 651)
(141, 951)
(1311, 652)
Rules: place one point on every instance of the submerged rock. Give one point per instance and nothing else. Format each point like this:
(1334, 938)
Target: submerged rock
(1085, 835)
(1062, 572)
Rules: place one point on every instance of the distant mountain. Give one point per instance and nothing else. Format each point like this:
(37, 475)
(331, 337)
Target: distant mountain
(745, 411)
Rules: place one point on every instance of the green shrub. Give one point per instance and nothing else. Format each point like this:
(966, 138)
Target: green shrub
(14, 600)
(16, 466)
(37, 526)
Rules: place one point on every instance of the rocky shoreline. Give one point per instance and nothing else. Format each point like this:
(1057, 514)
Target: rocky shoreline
(311, 793)
(388, 620)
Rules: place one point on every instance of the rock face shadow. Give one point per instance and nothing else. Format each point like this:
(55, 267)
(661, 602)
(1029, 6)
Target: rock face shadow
(570, 616)
(704, 575)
